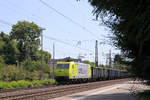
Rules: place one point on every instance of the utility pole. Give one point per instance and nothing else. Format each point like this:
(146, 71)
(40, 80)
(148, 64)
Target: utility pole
(96, 54)
(53, 58)
(41, 29)
(28, 53)
(110, 63)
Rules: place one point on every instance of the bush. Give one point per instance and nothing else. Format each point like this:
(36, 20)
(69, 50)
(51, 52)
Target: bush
(45, 82)
(14, 84)
(52, 81)
(12, 73)
(24, 84)
(32, 65)
(5, 85)
(35, 75)
(9, 73)
(36, 83)
(48, 82)
(2, 64)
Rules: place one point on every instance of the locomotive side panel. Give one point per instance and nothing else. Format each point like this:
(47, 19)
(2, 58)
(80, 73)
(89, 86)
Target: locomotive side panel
(83, 70)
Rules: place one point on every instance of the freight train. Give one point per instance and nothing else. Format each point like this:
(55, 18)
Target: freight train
(76, 71)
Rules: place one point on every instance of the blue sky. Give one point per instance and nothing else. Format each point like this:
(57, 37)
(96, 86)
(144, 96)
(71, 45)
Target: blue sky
(59, 27)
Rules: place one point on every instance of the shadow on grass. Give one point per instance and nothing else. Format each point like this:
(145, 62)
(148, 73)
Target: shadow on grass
(145, 95)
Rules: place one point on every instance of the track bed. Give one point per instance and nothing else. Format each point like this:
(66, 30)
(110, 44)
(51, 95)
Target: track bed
(49, 92)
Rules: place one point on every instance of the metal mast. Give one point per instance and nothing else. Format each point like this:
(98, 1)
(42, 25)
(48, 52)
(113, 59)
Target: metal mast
(96, 54)
(41, 29)
(53, 58)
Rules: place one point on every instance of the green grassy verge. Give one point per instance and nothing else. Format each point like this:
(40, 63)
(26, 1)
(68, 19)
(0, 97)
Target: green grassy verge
(26, 84)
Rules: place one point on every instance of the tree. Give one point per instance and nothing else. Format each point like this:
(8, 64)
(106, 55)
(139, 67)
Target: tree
(120, 62)
(8, 49)
(129, 22)
(46, 56)
(118, 59)
(27, 36)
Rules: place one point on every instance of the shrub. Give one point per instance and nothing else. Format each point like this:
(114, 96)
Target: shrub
(14, 84)
(31, 65)
(5, 85)
(9, 73)
(24, 84)
(45, 82)
(52, 81)
(35, 75)
(36, 83)
(48, 82)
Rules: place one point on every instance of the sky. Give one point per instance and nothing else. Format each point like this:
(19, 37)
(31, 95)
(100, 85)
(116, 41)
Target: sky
(70, 26)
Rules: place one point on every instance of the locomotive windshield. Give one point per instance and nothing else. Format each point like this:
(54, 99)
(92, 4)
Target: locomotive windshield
(62, 66)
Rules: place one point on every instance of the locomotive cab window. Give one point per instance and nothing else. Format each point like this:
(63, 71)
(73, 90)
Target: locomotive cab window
(62, 66)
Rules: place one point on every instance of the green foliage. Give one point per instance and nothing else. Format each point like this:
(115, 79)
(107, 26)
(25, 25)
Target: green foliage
(120, 62)
(118, 59)
(102, 66)
(35, 75)
(45, 82)
(46, 56)
(13, 73)
(9, 73)
(21, 48)
(129, 22)
(14, 84)
(2, 64)
(27, 35)
(52, 82)
(36, 83)
(26, 84)
(8, 49)
(32, 65)
(5, 85)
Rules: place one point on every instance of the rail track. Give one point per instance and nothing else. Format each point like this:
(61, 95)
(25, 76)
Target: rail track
(44, 93)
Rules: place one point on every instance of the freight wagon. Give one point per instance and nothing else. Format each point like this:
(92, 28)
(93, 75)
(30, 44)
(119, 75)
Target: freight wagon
(75, 71)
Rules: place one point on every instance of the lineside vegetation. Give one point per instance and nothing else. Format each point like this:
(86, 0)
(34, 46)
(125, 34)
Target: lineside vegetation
(20, 57)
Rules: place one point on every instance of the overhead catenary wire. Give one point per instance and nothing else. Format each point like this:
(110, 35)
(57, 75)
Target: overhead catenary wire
(69, 19)
(33, 15)
(52, 38)
(5, 22)
(22, 9)
(63, 42)
(18, 10)
(26, 12)
(71, 5)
